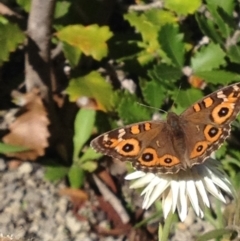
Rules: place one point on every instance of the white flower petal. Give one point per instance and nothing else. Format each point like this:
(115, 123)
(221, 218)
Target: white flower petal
(213, 189)
(201, 208)
(202, 191)
(175, 190)
(148, 190)
(193, 197)
(141, 182)
(182, 205)
(155, 181)
(220, 181)
(156, 193)
(135, 175)
(167, 202)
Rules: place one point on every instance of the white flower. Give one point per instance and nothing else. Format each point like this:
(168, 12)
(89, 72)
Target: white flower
(179, 190)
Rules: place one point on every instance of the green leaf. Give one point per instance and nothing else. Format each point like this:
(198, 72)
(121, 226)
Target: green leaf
(208, 28)
(62, 8)
(89, 155)
(55, 173)
(153, 92)
(208, 58)
(83, 126)
(163, 72)
(72, 54)
(234, 53)
(217, 233)
(228, 6)
(146, 28)
(6, 148)
(89, 166)
(130, 111)
(84, 38)
(94, 86)
(222, 23)
(183, 7)
(11, 37)
(172, 44)
(218, 76)
(76, 176)
(149, 23)
(185, 98)
(25, 4)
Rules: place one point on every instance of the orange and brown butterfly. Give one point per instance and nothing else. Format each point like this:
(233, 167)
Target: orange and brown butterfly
(179, 142)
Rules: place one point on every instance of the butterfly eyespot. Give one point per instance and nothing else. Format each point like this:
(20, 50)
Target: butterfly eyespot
(199, 148)
(168, 160)
(147, 157)
(128, 147)
(213, 132)
(223, 111)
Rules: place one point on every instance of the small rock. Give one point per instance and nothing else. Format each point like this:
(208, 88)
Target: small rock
(72, 224)
(25, 168)
(3, 165)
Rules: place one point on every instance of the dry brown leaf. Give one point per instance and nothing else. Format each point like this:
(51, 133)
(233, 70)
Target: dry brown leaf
(107, 179)
(74, 193)
(29, 129)
(119, 226)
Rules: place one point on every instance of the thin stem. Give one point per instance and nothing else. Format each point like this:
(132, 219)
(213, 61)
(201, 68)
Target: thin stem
(163, 233)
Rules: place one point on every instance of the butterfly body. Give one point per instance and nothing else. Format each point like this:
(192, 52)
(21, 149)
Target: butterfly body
(181, 141)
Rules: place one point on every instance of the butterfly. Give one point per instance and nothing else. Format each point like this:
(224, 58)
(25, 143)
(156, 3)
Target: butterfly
(179, 142)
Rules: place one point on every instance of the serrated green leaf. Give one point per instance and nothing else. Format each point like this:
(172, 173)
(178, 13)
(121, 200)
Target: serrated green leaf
(228, 6)
(89, 166)
(94, 86)
(25, 4)
(146, 28)
(183, 7)
(72, 54)
(185, 98)
(172, 44)
(6, 148)
(11, 37)
(163, 72)
(84, 38)
(234, 53)
(83, 127)
(130, 111)
(55, 173)
(207, 26)
(76, 176)
(89, 154)
(208, 58)
(62, 8)
(222, 24)
(153, 93)
(148, 25)
(218, 76)
(160, 17)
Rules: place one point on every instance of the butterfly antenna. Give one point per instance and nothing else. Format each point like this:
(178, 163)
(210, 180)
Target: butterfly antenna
(150, 107)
